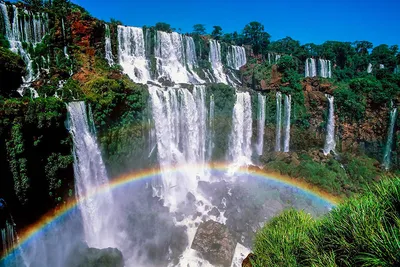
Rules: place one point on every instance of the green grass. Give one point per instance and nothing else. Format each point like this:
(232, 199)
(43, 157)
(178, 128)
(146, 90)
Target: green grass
(363, 231)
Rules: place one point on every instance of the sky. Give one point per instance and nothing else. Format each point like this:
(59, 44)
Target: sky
(308, 21)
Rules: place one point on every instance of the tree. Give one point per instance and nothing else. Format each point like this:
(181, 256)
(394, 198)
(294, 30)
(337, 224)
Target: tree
(199, 29)
(287, 46)
(217, 32)
(383, 54)
(164, 27)
(34, 3)
(254, 35)
(363, 47)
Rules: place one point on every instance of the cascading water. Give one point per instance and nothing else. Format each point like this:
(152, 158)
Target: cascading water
(325, 68)
(211, 128)
(171, 57)
(260, 123)
(30, 29)
(389, 142)
(369, 69)
(287, 110)
(180, 122)
(108, 48)
(278, 124)
(236, 57)
(381, 66)
(191, 58)
(273, 58)
(98, 215)
(330, 143)
(310, 68)
(240, 139)
(132, 54)
(216, 62)
(8, 236)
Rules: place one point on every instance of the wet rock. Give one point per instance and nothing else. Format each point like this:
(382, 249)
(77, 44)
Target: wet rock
(179, 217)
(197, 214)
(214, 212)
(190, 197)
(82, 255)
(215, 243)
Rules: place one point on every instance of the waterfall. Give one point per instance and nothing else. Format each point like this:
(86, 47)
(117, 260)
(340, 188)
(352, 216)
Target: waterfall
(381, 66)
(325, 68)
(369, 69)
(216, 62)
(8, 236)
(330, 143)
(278, 124)
(287, 109)
(132, 54)
(108, 47)
(311, 68)
(211, 127)
(90, 176)
(29, 28)
(191, 58)
(273, 58)
(389, 141)
(175, 56)
(172, 57)
(180, 119)
(236, 57)
(260, 123)
(240, 139)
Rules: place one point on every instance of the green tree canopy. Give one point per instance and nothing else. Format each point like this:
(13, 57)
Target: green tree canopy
(199, 29)
(217, 32)
(255, 35)
(383, 54)
(164, 27)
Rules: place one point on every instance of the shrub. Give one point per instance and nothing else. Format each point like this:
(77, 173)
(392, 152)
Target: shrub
(362, 231)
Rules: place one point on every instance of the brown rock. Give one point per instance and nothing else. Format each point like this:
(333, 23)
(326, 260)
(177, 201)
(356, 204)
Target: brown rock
(247, 261)
(263, 85)
(215, 243)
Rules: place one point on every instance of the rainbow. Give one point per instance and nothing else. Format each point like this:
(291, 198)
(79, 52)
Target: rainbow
(53, 216)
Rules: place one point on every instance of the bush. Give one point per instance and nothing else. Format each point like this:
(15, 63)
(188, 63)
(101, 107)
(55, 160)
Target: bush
(289, 230)
(351, 175)
(350, 105)
(362, 231)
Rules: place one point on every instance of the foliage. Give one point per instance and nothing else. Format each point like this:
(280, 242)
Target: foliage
(11, 71)
(217, 32)
(351, 106)
(295, 225)
(115, 101)
(31, 131)
(199, 29)
(164, 27)
(224, 97)
(3, 41)
(383, 54)
(362, 231)
(358, 173)
(255, 36)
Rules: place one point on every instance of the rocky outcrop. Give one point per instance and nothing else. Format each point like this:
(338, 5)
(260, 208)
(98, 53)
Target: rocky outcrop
(215, 243)
(83, 256)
